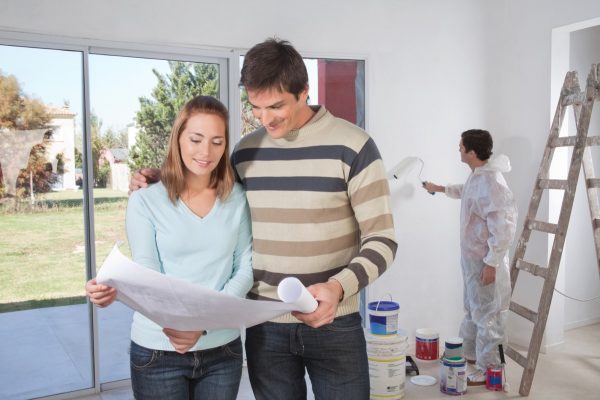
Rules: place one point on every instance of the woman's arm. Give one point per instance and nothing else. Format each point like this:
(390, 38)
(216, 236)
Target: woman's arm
(242, 277)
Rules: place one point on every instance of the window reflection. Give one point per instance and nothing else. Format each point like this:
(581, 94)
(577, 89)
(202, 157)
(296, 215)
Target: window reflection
(338, 85)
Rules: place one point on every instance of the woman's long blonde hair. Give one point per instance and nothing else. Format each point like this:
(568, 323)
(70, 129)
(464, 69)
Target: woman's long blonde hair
(172, 173)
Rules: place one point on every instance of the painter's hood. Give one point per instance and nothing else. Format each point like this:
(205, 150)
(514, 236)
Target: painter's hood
(499, 163)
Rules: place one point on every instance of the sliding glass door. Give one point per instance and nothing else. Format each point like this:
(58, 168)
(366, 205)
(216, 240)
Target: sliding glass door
(74, 122)
(134, 102)
(45, 346)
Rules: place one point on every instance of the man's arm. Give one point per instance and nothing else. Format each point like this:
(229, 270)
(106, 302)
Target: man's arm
(432, 187)
(369, 197)
(500, 213)
(454, 191)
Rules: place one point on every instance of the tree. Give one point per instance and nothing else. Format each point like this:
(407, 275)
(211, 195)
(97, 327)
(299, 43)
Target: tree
(17, 110)
(249, 122)
(20, 113)
(38, 175)
(157, 114)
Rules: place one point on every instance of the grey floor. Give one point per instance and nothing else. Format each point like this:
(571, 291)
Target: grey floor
(46, 351)
(569, 372)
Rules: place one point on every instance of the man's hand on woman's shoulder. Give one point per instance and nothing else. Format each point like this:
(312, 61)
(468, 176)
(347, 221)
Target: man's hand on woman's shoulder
(143, 177)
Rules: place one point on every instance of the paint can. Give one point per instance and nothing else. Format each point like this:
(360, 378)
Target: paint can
(383, 317)
(453, 347)
(387, 365)
(493, 377)
(453, 376)
(427, 344)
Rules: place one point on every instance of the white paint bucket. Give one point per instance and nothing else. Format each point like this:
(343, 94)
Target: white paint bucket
(453, 376)
(387, 365)
(383, 317)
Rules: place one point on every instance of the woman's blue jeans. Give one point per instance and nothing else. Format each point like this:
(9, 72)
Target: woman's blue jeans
(203, 374)
(334, 355)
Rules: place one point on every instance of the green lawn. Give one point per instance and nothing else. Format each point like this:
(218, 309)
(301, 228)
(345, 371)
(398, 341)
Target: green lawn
(42, 250)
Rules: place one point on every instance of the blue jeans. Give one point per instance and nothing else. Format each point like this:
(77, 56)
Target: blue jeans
(334, 355)
(203, 374)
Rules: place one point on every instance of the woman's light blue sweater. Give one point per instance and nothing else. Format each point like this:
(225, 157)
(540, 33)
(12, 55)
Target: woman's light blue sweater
(214, 251)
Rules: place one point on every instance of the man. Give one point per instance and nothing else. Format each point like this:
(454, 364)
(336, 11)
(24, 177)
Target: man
(320, 207)
(488, 219)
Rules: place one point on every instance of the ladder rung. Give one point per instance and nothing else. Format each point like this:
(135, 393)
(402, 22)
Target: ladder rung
(516, 356)
(542, 226)
(523, 312)
(573, 99)
(564, 141)
(593, 140)
(532, 268)
(593, 183)
(560, 184)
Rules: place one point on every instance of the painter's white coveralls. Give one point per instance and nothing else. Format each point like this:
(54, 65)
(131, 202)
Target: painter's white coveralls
(488, 218)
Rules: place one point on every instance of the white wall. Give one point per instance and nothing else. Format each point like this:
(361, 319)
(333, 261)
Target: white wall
(520, 111)
(434, 69)
(426, 83)
(581, 268)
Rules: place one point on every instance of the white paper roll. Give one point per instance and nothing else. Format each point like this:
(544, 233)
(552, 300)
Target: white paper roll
(291, 290)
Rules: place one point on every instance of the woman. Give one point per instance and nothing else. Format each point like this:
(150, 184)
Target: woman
(194, 225)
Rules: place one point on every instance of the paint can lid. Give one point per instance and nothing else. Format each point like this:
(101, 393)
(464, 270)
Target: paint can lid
(454, 342)
(426, 333)
(384, 306)
(423, 380)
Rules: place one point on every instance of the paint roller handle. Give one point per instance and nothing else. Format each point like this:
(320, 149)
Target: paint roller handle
(425, 183)
(501, 350)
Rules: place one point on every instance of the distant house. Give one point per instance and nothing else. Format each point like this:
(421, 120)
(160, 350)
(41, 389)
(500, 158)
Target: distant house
(60, 146)
(118, 179)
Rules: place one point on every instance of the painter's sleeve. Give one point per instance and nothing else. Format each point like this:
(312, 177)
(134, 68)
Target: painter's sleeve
(498, 208)
(454, 191)
(369, 196)
(141, 232)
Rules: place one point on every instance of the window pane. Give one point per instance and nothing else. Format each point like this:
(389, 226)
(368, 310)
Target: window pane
(45, 344)
(339, 85)
(134, 103)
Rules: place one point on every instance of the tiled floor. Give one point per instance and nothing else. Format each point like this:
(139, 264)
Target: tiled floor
(46, 351)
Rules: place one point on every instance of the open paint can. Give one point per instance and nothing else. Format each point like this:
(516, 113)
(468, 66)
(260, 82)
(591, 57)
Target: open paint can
(383, 317)
(493, 377)
(453, 376)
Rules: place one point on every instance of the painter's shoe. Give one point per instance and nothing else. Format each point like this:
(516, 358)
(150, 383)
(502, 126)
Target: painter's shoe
(471, 367)
(477, 378)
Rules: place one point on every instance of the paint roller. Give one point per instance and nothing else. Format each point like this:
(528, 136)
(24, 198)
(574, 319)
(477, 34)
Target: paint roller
(405, 166)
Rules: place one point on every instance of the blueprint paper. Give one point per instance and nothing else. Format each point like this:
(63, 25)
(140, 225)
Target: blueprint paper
(174, 303)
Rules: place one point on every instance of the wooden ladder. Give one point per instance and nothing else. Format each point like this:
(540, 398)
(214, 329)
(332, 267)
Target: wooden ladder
(582, 104)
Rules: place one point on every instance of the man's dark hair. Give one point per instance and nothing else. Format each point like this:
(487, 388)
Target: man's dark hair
(478, 140)
(274, 64)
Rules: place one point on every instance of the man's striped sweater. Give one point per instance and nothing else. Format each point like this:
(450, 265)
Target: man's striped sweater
(320, 207)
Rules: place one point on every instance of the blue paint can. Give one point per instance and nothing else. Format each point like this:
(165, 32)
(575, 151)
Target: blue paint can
(383, 317)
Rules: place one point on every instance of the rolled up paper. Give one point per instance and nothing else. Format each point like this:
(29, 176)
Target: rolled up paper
(291, 290)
